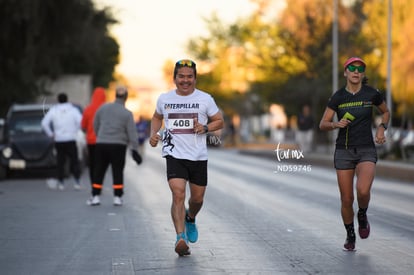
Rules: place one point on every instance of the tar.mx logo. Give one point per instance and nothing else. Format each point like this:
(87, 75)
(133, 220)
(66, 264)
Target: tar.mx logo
(290, 155)
(212, 140)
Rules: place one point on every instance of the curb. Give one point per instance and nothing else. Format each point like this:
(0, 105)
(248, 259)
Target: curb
(385, 169)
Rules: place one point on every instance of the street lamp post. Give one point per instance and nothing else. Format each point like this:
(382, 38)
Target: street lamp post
(334, 57)
(335, 46)
(389, 62)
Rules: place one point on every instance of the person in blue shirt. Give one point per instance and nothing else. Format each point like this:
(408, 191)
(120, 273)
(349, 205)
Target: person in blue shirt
(143, 129)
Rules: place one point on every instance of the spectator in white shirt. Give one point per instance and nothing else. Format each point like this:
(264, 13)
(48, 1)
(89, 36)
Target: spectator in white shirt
(62, 123)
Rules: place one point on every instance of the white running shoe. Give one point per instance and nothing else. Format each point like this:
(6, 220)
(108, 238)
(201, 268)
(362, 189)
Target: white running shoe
(117, 201)
(77, 186)
(92, 201)
(52, 183)
(61, 187)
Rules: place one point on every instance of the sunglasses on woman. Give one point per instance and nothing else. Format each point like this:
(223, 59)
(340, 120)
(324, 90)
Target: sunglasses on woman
(352, 68)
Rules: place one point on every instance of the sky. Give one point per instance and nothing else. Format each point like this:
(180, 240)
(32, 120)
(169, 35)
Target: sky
(151, 32)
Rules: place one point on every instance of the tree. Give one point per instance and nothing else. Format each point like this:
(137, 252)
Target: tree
(402, 55)
(236, 56)
(287, 59)
(49, 38)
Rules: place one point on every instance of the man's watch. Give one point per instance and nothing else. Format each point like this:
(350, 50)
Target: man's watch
(383, 126)
(205, 129)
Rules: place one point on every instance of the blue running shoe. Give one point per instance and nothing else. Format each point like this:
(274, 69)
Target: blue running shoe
(191, 229)
(181, 246)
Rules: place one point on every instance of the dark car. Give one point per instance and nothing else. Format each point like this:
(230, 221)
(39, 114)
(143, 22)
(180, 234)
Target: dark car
(25, 146)
(1, 129)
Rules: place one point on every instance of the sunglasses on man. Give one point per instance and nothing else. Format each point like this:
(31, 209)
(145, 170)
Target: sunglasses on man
(185, 63)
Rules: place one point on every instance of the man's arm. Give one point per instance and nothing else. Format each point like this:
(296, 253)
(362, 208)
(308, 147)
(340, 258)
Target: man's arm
(96, 121)
(46, 121)
(132, 133)
(216, 122)
(156, 123)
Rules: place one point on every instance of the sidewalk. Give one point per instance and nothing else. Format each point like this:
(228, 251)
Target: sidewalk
(396, 170)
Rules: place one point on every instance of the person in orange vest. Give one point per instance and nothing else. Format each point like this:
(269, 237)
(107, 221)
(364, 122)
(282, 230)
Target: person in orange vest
(98, 98)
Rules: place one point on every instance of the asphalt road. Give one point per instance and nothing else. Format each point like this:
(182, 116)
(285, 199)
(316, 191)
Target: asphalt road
(257, 219)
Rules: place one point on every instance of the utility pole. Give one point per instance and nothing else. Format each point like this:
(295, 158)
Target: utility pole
(335, 46)
(389, 62)
(334, 59)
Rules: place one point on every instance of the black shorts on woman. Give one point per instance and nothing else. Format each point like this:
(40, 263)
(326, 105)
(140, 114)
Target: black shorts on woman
(345, 159)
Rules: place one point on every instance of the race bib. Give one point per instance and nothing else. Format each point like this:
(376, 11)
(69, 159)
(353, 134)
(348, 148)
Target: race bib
(181, 123)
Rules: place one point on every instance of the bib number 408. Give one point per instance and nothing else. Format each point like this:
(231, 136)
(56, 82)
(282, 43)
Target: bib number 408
(180, 123)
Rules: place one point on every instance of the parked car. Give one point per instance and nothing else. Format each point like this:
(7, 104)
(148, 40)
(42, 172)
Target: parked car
(407, 145)
(25, 146)
(1, 129)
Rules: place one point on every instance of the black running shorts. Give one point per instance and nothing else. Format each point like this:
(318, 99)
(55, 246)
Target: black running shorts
(345, 159)
(193, 171)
